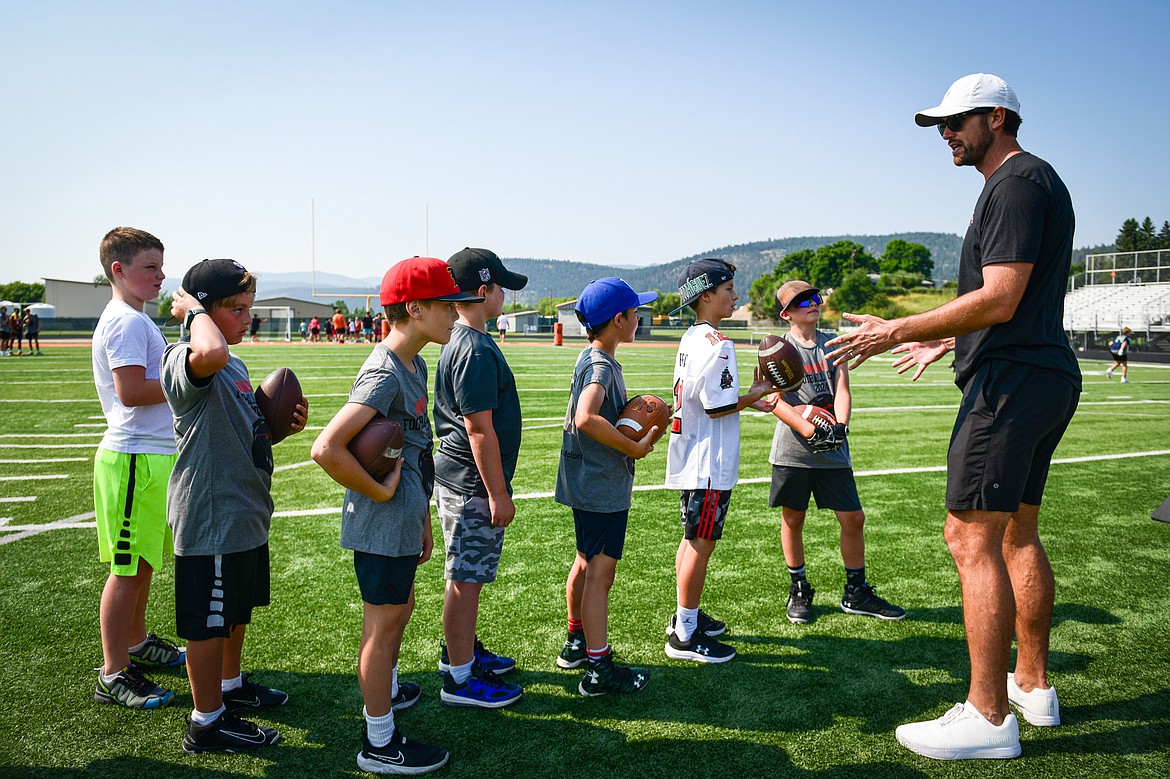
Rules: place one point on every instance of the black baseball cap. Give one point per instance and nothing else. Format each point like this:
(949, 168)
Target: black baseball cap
(700, 276)
(473, 267)
(213, 280)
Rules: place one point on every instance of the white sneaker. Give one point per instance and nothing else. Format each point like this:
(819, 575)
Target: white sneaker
(1125, 380)
(962, 734)
(1109, 374)
(1039, 707)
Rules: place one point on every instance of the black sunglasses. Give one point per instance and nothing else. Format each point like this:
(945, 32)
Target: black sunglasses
(955, 123)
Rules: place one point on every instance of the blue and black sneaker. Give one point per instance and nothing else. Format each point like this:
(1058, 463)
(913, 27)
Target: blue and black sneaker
(497, 664)
(483, 689)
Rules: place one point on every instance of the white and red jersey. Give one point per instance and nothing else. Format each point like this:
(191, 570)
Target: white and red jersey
(704, 452)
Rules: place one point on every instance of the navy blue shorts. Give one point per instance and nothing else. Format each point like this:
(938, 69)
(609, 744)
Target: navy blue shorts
(834, 488)
(599, 533)
(1010, 420)
(385, 580)
(215, 593)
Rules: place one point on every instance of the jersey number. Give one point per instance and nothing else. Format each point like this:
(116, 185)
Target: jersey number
(676, 418)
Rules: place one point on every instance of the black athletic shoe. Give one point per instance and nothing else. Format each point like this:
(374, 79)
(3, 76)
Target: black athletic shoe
(131, 688)
(573, 652)
(400, 756)
(605, 676)
(708, 625)
(701, 649)
(250, 695)
(865, 600)
(160, 652)
(800, 598)
(408, 695)
(228, 733)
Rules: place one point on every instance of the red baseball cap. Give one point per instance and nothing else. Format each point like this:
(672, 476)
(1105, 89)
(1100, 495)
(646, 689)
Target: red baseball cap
(422, 278)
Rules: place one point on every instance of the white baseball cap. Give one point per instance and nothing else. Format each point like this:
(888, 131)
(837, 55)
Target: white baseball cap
(978, 90)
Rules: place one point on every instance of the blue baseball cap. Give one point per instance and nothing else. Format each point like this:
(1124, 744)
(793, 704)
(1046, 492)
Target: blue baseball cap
(603, 299)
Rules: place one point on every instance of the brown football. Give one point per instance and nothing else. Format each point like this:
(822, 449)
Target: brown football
(278, 396)
(780, 363)
(377, 446)
(640, 414)
(817, 415)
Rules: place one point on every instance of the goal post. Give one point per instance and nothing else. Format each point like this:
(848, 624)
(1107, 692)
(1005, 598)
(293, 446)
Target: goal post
(276, 322)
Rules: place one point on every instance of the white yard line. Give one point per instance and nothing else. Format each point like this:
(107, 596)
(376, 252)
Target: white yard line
(35, 478)
(45, 462)
(22, 499)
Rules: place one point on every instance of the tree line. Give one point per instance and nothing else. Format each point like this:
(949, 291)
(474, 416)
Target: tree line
(1140, 237)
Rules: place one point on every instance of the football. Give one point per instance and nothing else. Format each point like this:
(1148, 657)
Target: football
(780, 363)
(817, 415)
(377, 446)
(278, 396)
(640, 414)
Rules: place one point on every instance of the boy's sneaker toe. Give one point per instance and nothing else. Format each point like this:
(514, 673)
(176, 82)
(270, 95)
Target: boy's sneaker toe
(573, 653)
(408, 695)
(800, 598)
(865, 601)
(483, 689)
(400, 756)
(130, 688)
(159, 652)
(251, 695)
(228, 733)
(700, 649)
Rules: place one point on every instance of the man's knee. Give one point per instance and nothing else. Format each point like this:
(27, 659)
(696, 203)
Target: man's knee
(971, 534)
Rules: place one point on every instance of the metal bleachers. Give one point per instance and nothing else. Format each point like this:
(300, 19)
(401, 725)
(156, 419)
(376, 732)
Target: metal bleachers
(1124, 289)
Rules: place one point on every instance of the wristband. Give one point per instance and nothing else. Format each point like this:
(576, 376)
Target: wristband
(191, 316)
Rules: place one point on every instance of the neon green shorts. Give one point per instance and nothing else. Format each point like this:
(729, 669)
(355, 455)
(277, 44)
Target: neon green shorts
(130, 499)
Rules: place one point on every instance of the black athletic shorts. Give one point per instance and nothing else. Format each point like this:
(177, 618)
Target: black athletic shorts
(1010, 420)
(385, 581)
(703, 513)
(1120, 358)
(214, 593)
(598, 532)
(834, 488)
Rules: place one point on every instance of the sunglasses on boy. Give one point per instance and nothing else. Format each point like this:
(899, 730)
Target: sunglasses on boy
(809, 300)
(955, 123)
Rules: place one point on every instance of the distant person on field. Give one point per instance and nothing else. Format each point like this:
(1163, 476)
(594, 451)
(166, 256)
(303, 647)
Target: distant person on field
(368, 327)
(477, 421)
(595, 479)
(314, 330)
(5, 333)
(32, 330)
(131, 468)
(254, 327)
(303, 331)
(219, 504)
(339, 326)
(1020, 384)
(16, 325)
(810, 461)
(502, 324)
(387, 523)
(702, 460)
(1119, 348)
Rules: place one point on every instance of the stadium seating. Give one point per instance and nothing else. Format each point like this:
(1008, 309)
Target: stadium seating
(1109, 307)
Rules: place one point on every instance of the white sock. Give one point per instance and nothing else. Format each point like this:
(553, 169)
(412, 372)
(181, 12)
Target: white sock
(139, 647)
(685, 623)
(108, 679)
(461, 673)
(227, 685)
(394, 682)
(379, 729)
(199, 718)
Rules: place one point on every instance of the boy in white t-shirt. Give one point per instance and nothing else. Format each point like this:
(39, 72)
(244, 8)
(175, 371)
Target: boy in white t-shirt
(702, 460)
(131, 469)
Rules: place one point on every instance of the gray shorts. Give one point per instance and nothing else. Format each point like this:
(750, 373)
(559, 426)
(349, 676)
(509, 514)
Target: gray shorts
(473, 544)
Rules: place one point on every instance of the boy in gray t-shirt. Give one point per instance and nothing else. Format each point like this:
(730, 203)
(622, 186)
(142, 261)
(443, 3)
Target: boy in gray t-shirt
(805, 461)
(387, 523)
(218, 503)
(595, 479)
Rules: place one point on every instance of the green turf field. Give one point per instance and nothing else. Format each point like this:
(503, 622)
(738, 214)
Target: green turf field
(800, 701)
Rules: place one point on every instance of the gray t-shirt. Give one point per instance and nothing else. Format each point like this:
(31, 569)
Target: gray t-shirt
(820, 383)
(393, 528)
(219, 499)
(472, 375)
(592, 476)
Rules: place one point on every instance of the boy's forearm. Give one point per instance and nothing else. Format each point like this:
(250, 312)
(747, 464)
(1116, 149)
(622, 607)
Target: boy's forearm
(485, 450)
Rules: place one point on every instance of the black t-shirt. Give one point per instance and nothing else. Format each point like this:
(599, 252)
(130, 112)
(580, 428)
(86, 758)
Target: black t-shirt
(472, 375)
(1024, 214)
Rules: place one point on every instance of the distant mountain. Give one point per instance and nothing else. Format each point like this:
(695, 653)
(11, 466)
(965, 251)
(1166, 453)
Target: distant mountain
(565, 278)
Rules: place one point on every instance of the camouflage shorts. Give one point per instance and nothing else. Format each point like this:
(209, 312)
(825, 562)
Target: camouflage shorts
(473, 544)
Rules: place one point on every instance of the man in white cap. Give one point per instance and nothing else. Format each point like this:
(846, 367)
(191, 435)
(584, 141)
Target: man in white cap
(1006, 329)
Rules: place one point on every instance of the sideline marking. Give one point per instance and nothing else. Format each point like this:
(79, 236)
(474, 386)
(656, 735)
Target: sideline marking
(34, 478)
(42, 462)
(24, 531)
(23, 499)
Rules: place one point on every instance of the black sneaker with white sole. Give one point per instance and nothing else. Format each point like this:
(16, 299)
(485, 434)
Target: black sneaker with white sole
(708, 625)
(606, 676)
(250, 695)
(864, 600)
(701, 649)
(400, 756)
(408, 695)
(573, 653)
(800, 598)
(228, 733)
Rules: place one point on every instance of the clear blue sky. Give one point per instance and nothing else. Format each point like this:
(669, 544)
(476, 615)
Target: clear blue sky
(608, 132)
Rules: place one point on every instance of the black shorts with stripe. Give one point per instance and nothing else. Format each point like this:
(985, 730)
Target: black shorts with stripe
(703, 513)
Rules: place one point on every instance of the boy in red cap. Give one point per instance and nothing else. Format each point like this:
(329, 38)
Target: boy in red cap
(387, 523)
